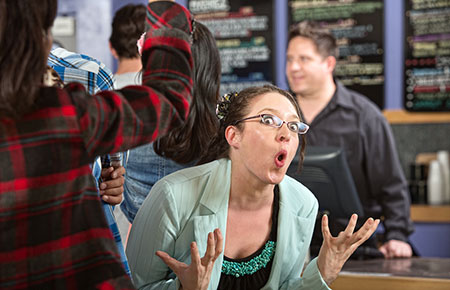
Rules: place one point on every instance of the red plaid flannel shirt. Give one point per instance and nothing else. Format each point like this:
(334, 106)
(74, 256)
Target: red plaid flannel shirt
(53, 234)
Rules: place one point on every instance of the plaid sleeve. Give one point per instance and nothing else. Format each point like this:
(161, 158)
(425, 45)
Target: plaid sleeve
(114, 121)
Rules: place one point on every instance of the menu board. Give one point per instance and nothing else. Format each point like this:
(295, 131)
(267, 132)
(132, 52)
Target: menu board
(243, 32)
(427, 56)
(357, 26)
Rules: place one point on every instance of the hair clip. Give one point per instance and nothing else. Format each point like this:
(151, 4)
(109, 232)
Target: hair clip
(224, 104)
(193, 25)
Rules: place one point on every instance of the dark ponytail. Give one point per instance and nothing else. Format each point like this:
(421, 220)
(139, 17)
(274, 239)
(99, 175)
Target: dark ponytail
(186, 143)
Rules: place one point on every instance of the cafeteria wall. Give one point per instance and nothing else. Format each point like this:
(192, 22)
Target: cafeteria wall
(93, 26)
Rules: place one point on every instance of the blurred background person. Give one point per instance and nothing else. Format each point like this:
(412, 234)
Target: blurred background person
(343, 118)
(127, 27)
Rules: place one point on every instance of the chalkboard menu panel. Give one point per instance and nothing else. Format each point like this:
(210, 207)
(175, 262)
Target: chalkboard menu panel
(427, 63)
(243, 32)
(358, 27)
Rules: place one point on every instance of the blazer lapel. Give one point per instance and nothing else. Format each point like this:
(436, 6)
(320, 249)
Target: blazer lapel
(291, 237)
(213, 210)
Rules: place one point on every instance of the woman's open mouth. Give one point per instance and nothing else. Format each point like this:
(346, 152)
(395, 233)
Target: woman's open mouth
(280, 158)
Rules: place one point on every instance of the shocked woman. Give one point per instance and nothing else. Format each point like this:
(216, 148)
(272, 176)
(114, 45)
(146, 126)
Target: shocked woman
(252, 223)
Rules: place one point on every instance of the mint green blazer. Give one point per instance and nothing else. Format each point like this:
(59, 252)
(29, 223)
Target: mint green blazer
(188, 204)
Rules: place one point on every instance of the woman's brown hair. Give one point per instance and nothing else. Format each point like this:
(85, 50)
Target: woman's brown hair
(185, 144)
(236, 109)
(25, 43)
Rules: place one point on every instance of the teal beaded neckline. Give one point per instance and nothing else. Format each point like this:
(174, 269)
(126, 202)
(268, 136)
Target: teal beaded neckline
(239, 269)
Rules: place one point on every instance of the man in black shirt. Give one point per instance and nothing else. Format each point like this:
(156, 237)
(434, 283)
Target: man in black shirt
(343, 118)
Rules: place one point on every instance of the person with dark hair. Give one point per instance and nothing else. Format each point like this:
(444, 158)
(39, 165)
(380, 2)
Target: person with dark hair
(127, 27)
(183, 146)
(266, 217)
(340, 117)
(53, 232)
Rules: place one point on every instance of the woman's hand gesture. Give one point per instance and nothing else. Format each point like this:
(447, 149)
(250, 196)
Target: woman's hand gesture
(198, 273)
(336, 250)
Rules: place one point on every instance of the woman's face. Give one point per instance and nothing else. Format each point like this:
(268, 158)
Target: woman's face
(261, 151)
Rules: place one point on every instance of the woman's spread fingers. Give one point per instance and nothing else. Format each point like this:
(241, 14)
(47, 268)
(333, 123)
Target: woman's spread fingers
(325, 229)
(195, 256)
(172, 263)
(351, 226)
(210, 249)
(366, 231)
(219, 242)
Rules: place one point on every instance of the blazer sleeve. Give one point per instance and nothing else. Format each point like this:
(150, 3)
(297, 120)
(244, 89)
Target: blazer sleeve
(154, 229)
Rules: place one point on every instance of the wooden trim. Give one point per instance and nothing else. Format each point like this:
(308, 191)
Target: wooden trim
(405, 117)
(430, 213)
(376, 282)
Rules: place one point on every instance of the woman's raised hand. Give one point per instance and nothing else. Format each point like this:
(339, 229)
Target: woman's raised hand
(336, 250)
(198, 273)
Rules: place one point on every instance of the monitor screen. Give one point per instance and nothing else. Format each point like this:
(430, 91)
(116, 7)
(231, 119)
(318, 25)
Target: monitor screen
(325, 172)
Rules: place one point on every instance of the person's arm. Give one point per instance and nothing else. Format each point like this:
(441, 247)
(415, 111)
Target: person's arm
(389, 186)
(152, 242)
(115, 121)
(155, 228)
(311, 279)
(335, 251)
(197, 275)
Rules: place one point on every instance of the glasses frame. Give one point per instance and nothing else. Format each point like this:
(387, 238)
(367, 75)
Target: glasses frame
(261, 116)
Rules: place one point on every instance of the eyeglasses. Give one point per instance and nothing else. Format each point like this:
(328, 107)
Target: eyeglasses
(274, 121)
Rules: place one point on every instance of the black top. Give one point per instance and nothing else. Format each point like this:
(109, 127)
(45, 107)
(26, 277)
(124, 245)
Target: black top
(350, 121)
(257, 266)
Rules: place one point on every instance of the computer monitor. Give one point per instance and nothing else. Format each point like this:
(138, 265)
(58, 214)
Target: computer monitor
(326, 173)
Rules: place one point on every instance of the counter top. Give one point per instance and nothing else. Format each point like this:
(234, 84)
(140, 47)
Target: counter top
(430, 213)
(395, 274)
(405, 117)
(413, 267)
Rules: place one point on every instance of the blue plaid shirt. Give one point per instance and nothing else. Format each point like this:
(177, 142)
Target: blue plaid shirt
(73, 67)
(95, 76)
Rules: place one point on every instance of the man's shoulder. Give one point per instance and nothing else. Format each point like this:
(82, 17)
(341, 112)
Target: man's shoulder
(63, 57)
(358, 102)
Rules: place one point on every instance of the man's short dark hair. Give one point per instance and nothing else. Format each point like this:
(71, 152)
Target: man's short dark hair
(127, 27)
(322, 37)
